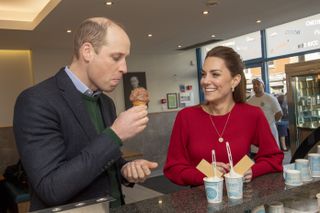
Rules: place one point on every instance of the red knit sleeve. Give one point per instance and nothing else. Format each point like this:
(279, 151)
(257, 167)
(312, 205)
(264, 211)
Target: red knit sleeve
(269, 157)
(179, 168)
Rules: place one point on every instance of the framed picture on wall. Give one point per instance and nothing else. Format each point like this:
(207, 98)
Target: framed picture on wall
(132, 80)
(172, 100)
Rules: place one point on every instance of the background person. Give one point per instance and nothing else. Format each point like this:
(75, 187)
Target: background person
(224, 117)
(269, 105)
(66, 129)
(283, 124)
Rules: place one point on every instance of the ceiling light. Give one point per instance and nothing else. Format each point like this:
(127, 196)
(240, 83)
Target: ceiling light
(213, 36)
(149, 35)
(179, 46)
(109, 3)
(25, 15)
(206, 12)
(69, 31)
(258, 21)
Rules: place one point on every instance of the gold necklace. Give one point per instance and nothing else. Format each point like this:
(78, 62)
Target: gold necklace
(220, 139)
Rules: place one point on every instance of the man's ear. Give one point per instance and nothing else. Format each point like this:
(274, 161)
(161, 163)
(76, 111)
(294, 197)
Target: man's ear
(87, 51)
(236, 80)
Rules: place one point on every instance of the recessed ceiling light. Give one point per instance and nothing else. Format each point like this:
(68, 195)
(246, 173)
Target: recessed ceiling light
(69, 31)
(213, 36)
(149, 35)
(258, 21)
(206, 12)
(179, 46)
(109, 3)
(25, 15)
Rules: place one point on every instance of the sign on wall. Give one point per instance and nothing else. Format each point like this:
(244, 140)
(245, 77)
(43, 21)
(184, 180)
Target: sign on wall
(247, 46)
(294, 37)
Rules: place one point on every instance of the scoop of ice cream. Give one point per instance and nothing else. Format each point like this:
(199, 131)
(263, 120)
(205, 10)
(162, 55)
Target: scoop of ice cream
(139, 96)
(233, 174)
(213, 179)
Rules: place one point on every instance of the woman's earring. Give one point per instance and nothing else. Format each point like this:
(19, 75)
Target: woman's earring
(232, 88)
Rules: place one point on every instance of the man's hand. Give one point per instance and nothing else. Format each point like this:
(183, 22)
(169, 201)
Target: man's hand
(137, 171)
(130, 122)
(278, 116)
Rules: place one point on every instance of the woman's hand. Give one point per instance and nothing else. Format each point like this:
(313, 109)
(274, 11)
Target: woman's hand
(247, 176)
(223, 168)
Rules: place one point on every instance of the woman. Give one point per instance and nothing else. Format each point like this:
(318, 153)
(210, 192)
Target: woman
(224, 117)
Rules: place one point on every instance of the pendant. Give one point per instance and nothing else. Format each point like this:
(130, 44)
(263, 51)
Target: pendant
(220, 139)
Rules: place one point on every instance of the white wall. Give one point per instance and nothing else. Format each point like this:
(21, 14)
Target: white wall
(164, 72)
(46, 63)
(16, 75)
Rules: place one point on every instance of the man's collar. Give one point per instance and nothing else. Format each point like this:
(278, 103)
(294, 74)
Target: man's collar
(91, 93)
(81, 87)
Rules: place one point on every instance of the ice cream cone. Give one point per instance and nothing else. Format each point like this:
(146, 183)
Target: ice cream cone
(138, 103)
(139, 96)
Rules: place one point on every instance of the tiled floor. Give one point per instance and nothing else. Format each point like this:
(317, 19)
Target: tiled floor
(160, 183)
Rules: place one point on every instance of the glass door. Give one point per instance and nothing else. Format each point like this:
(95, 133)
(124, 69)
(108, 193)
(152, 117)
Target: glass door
(306, 94)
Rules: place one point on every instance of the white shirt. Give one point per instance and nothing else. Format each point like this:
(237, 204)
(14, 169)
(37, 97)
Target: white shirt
(270, 106)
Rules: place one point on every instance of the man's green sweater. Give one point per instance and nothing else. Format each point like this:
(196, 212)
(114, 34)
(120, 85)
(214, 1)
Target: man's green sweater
(93, 106)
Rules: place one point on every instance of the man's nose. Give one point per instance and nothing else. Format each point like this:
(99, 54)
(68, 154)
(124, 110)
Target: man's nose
(123, 67)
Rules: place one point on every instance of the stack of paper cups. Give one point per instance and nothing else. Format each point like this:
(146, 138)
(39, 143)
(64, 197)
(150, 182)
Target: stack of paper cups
(303, 166)
(314, 159)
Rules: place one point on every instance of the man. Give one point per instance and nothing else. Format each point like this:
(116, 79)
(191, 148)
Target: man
(268, 104)
(66, 129)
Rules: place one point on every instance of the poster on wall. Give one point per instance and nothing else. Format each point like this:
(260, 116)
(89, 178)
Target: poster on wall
(186, 99)
(172, 100)
(132, 80)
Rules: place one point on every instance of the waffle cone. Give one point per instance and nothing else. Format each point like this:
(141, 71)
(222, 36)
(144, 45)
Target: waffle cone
(138, 103)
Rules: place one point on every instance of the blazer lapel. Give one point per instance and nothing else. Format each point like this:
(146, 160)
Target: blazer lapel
(75, 102)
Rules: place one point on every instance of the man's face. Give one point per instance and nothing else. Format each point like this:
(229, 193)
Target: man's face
(105, 69)
(258, 87)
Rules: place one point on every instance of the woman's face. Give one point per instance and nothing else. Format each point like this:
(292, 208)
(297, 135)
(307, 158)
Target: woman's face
(216, 80)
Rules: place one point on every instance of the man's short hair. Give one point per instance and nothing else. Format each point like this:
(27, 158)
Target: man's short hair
(258, 79)
(92, 30)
